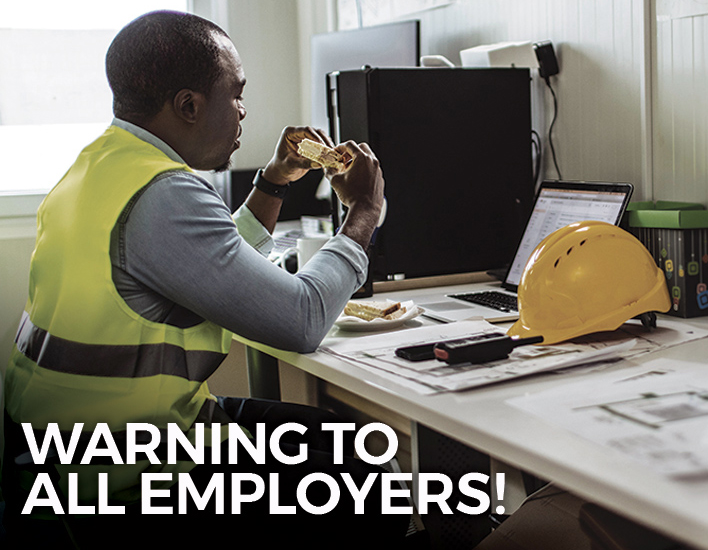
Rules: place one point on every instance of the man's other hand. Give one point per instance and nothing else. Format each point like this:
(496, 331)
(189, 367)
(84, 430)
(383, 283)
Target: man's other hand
(360, 188)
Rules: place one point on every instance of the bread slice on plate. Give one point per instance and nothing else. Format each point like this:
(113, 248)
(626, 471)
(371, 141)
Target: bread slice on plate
(374, 310)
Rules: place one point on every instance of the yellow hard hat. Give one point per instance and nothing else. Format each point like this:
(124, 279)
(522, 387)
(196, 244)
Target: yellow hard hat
(587, 277)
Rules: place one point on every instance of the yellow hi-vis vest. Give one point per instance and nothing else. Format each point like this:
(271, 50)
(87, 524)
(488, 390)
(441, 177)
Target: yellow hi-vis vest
(81, 354)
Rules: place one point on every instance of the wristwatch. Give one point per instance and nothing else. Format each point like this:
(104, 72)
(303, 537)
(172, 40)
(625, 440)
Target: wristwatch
(269, 188)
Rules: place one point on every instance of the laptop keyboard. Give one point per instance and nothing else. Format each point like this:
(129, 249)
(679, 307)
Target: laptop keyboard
(490, 298)
(286, 240)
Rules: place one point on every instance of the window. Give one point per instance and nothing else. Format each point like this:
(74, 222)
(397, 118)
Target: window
(54, 97)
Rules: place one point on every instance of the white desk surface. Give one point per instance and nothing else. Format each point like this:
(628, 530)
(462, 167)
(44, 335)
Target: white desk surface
(482, 419)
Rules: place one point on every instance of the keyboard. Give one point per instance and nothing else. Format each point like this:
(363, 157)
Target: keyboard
(490, 298)
(286, 240)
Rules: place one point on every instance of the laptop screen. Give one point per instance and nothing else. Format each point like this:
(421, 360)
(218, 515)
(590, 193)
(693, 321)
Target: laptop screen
(561, 203)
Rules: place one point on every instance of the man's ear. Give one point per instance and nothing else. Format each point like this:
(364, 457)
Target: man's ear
(188, 104)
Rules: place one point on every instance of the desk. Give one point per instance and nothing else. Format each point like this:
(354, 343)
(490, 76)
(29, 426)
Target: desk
(482, 419)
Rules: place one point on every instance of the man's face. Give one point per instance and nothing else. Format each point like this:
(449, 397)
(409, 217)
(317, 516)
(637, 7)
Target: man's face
(220, 126)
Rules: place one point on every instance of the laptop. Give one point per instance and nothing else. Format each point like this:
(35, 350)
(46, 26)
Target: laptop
(557, 204)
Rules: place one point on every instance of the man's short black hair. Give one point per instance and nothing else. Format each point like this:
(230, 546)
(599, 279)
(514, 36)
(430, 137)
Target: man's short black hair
(158, 54)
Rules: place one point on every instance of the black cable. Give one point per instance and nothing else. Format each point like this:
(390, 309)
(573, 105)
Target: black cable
(550, 129)
(536, 142)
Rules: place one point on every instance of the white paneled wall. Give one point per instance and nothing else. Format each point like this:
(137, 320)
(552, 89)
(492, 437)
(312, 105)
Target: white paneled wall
(600, 47)
(680, 103)
(633, 87)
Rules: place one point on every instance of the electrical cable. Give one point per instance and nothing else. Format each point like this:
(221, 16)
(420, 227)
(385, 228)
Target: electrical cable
(550, 129)
(536, 142)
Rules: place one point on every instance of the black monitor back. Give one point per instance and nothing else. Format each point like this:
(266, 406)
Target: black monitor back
(455, 150)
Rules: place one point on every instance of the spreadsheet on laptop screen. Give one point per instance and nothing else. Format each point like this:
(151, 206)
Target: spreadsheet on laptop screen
(556, 208)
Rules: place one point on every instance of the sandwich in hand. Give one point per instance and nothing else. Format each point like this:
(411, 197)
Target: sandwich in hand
(321, 154)
(374, 310)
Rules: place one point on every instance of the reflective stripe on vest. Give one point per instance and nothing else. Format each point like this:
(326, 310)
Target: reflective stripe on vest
(82, 355)
(61, 355)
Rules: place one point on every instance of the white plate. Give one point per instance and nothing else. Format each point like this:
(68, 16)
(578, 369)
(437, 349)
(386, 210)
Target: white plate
(347, 322)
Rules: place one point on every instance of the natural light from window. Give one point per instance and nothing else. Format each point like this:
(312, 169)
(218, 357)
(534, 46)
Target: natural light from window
(54, 98)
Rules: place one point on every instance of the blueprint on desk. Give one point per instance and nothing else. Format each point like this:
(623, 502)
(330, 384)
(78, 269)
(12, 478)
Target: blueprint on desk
(656, 413)
(377, 353)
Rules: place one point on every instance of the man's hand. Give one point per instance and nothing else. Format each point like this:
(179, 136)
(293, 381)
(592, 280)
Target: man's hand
(360, 188)
(287, 165)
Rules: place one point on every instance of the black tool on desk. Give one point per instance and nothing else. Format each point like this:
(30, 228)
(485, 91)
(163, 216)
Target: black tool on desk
(481, 350)
(420, 352)
(425, 352)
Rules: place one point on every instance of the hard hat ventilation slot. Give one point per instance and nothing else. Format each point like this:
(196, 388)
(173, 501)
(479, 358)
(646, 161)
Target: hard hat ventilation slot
(556, 264)
(567, 253)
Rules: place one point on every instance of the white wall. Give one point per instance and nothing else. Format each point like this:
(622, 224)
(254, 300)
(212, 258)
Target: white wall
(632, 88)
(680, 101)
(266, 35)
(600, 48)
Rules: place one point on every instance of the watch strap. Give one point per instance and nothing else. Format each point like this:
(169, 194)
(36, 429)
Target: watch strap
(269, 188)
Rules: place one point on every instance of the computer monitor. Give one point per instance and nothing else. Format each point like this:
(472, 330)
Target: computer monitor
(391, 45)
(455, 150)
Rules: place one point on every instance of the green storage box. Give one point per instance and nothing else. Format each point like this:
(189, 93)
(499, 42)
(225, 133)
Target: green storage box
(676, 235)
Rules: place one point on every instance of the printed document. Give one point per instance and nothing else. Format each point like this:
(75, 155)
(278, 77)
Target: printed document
(377, 353)
(656, 413)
